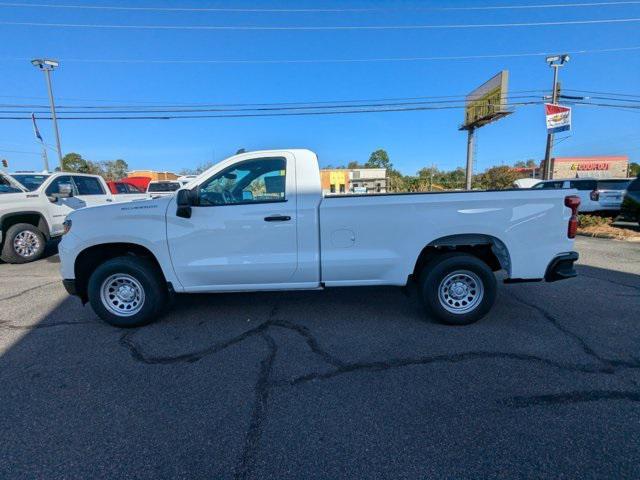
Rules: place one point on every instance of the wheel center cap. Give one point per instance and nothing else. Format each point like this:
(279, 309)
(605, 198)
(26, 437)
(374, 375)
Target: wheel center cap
(458, 290)
(126, 293)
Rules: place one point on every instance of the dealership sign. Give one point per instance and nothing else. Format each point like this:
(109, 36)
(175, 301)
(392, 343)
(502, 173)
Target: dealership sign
(558, 118)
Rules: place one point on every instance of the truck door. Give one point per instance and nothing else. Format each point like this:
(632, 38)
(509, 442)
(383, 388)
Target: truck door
(91, 190)
(59, 209)
(242, 230)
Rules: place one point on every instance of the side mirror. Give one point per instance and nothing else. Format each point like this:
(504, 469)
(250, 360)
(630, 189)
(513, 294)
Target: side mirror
(184, 202)
(247, 195)
(65, 190)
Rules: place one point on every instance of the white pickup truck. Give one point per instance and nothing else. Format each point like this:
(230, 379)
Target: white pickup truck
(33, 207)
(258, 221)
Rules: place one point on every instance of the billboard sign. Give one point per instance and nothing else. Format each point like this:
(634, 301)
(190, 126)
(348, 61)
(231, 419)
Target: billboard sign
(558, 118)
(488, 102)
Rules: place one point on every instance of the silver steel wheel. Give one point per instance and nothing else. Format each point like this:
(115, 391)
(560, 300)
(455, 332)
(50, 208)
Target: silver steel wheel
(26, 244)
(460, 292)
(122, 295)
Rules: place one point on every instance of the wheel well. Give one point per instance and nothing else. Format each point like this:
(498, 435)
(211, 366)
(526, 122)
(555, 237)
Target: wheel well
(485, 247)
(32, 218)
(91, 258)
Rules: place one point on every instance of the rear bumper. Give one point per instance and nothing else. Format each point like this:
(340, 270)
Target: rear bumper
(561, 267)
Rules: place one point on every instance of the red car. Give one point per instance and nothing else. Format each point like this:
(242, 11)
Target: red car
(129, 185)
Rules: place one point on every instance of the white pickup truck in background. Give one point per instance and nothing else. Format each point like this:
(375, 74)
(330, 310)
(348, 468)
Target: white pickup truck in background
(258, 221)
(33, 207)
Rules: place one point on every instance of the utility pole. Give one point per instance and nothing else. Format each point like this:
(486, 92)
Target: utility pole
(554, 62)
(470, 145)
(47, 67)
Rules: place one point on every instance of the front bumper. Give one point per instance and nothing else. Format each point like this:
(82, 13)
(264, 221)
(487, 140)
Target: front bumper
(561, 267)
(70, 286)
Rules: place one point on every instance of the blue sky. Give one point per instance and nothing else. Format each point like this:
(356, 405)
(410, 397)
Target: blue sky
(413, 139)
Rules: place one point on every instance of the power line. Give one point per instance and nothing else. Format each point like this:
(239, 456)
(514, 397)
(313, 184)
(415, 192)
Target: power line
(321, 102)
(323, 28)
(305, 113)
(313, 10)
(353, 60)
(155, 105)
(268, 108)
(110, 116)
(270, 114)
(603, 93)
(18, 151)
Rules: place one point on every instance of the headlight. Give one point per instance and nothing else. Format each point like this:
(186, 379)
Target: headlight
(67, 226)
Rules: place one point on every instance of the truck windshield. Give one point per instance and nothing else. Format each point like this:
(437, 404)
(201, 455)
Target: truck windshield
(6, 187)
(163, 187)
(613, 184)
(30, 181)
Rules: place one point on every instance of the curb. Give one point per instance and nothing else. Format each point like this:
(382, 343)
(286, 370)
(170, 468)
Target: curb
(609, 237)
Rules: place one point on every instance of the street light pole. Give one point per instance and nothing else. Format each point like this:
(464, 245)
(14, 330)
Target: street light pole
(554, 62)
(47, 67)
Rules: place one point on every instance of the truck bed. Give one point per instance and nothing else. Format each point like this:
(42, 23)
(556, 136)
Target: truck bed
(375, 239)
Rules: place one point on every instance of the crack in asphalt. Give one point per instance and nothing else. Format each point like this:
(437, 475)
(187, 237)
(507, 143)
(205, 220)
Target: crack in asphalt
(262, 388)
(190, 357)
(313, 344)
(9, 326)
(636, 287)
(450, 358)
(567, 398)
(265, 382)
(586, 348)
(556, 323)
(28, 290)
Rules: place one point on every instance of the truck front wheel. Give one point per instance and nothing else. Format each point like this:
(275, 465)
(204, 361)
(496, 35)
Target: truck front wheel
(127, 291)
(23, 243)
(457, 288)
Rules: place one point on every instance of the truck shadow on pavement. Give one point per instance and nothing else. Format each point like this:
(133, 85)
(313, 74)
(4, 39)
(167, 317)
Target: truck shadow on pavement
(329, 384)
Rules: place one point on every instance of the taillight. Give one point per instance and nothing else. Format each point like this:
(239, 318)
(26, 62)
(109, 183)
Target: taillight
(573, 202)
(594, 195)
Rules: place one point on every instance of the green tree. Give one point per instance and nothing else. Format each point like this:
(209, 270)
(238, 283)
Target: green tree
(496, 178)
(114, 169)
(198, 170)
(73, 162)
(531, 163)
(379, 159)
(634, 169)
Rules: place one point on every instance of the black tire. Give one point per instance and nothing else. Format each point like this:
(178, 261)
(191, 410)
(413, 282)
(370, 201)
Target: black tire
(476, 300)
(148, 277)
(35, 247)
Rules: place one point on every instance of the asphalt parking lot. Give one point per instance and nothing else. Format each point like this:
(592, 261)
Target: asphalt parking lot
(345, 383)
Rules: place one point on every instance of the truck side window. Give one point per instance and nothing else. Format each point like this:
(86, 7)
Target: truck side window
(88, 185)
(54, 187)
(583, 184)
(252, 181)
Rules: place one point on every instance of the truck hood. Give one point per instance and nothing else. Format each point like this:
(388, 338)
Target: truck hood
(8, 199)
(100, 215)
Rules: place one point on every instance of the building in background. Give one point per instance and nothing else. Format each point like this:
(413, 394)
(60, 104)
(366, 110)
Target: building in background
(368, 180)
(353, 180)
(607, 166)
(152, 175)
(334, 180)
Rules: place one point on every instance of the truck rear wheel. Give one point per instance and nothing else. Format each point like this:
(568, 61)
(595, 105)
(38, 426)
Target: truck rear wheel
(127, 291)
(457, 288)
(23, 243)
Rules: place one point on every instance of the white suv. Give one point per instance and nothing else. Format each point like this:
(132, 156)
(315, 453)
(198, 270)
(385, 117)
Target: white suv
(596, 195)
